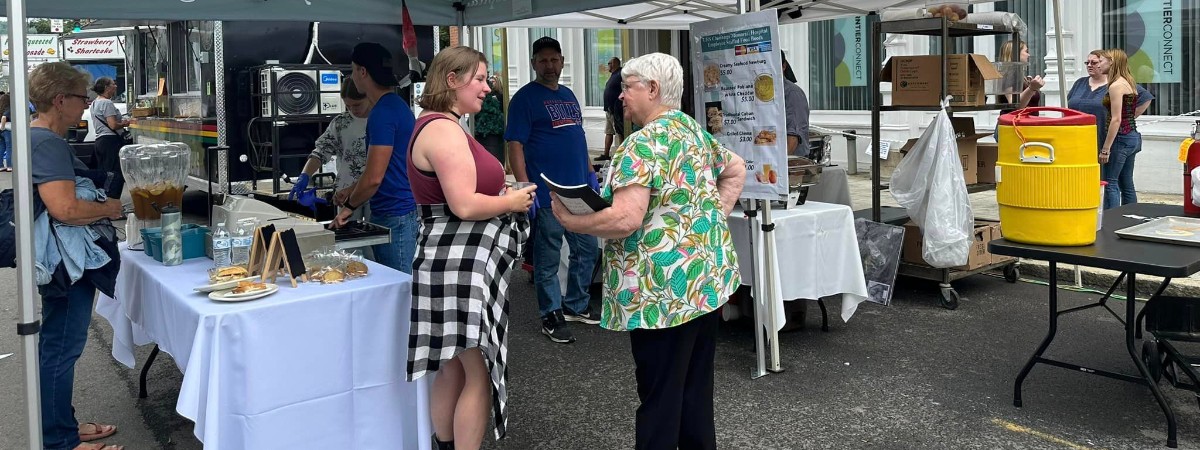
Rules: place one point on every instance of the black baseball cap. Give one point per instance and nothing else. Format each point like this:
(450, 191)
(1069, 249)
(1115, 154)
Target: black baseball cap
(546, 42)
(378, 62)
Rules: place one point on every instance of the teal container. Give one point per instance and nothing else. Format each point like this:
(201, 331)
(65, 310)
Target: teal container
(193, 241)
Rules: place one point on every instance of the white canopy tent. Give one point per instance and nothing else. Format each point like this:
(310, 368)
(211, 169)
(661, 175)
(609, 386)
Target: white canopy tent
(654, 14)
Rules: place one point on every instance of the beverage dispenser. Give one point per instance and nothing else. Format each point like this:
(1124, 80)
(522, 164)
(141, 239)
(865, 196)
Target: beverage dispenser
(155, 175)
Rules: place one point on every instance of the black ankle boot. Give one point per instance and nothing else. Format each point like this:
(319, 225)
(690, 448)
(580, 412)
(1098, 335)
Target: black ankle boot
(442, 445)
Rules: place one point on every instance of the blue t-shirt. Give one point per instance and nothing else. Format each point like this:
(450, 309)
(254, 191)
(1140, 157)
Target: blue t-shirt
(391, 123)
(1082, 98)
(549, 124)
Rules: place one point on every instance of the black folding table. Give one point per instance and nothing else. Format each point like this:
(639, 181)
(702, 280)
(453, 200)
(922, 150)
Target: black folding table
(1130, 257)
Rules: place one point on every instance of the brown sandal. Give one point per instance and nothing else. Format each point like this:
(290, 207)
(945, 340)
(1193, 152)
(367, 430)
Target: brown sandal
(100, 431)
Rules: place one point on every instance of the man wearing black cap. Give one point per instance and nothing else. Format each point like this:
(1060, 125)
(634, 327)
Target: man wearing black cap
(795, 103)
(545, 136)
(384, 181)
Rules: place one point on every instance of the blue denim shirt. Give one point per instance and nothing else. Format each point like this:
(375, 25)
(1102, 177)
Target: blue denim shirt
(75, 246)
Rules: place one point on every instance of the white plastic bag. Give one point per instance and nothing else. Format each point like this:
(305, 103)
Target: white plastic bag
(929, 183)
(1196, 187)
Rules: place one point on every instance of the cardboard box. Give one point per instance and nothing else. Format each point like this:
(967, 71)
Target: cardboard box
(911, 250)
(997, 234)
(887, 166)
(977, 257)
(987, 153)
(964, 129)
(917, 80)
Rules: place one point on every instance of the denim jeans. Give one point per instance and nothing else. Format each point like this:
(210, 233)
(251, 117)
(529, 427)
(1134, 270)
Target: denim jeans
(6, 150)
(548, 238)
(64, 333)
(399, 253)
(1118, 172)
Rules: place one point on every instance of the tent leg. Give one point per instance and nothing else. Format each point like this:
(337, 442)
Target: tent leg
(28, 325)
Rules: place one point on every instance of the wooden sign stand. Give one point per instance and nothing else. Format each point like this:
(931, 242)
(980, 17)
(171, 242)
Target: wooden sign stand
(258, 249)
(284, 253)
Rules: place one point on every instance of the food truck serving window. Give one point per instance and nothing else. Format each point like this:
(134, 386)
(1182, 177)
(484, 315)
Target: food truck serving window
(185, 56)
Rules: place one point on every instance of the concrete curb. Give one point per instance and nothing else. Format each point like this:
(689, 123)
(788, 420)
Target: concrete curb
(1101, 280)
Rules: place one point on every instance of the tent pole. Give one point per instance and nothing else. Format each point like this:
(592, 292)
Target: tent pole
(29, 325)
(1058, 39)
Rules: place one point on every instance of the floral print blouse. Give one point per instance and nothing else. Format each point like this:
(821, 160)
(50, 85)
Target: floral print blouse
(681, 264)
(345, 138)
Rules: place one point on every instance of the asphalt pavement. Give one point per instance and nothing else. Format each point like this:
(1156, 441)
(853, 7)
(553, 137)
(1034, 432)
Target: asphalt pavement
(907, 376)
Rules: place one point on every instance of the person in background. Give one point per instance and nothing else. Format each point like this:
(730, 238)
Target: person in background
(5, 133)
(59, 92)
(669, 262)
(797, 111)
(1122, 141)
(472, 229)
(385, 178)
(345, 139)
(1088, 95)
(106, 120)
(1031, 92)
(489, 122)
(614, 114)
(545, 136)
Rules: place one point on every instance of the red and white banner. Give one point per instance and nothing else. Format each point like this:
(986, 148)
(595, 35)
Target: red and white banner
(108, 47)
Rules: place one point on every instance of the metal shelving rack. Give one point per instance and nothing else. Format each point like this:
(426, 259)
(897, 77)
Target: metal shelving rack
(946, 30)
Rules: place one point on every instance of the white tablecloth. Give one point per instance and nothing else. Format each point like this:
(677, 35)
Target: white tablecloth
(817, 252)
(319, 366)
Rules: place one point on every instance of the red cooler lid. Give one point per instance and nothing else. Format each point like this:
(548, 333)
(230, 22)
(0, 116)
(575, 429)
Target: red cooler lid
(1030, 117)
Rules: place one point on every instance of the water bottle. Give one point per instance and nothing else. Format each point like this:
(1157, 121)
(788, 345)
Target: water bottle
(222, 247)
(172, 240)
(241, 245)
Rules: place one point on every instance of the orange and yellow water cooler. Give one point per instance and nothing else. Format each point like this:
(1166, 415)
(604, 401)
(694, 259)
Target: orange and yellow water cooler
(1047, 176)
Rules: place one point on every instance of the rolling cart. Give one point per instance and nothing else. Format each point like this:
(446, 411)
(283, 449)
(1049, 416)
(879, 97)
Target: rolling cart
(1172, 319)
(945, 30)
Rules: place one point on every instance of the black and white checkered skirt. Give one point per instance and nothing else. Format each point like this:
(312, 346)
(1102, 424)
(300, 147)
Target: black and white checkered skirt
(460, 294)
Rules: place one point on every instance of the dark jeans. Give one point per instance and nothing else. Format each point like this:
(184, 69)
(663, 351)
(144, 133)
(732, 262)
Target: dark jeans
(548, 237)
(64, 333)
(107, 154)
(675, 384)
(6, 148)
(1118, 172)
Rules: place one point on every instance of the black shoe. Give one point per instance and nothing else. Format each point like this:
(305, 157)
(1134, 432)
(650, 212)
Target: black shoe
(555, 328)
(442, 445)
(603, 158)
(588, 316)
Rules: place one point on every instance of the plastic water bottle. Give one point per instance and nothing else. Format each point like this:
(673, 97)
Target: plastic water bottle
(240, 250)
(222, 247)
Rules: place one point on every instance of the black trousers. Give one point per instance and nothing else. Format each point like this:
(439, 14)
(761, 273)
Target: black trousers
(675, 385)
(107, 153)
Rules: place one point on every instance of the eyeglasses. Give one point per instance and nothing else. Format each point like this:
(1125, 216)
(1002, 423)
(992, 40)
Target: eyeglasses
(81, 97)
(1092, 63)
(625, 86)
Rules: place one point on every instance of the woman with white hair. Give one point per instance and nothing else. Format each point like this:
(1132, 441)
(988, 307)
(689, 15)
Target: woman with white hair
(669, 262)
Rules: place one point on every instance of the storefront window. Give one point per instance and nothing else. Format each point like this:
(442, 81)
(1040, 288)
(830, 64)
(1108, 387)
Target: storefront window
(839, 52)
(602, 46)
(1161, 39)
(495, 49)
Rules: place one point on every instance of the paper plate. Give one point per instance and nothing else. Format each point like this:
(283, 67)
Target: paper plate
(229, 296)
(223, 285)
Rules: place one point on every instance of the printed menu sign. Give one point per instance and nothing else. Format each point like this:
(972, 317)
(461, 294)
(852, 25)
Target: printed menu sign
(738, 74)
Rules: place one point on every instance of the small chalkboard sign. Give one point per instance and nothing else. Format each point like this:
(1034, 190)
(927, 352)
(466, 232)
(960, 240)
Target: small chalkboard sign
(284, 253)
(291, 252)
(258, 249)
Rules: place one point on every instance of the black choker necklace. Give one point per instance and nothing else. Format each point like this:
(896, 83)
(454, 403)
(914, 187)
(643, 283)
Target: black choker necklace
(456, 115)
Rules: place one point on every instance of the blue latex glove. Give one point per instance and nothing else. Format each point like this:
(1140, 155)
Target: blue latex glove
(594, 182)
(533, 209)
(310, 199)
(299, 187)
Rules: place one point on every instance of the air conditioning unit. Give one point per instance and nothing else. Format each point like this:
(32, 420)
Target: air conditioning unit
(300, 92)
